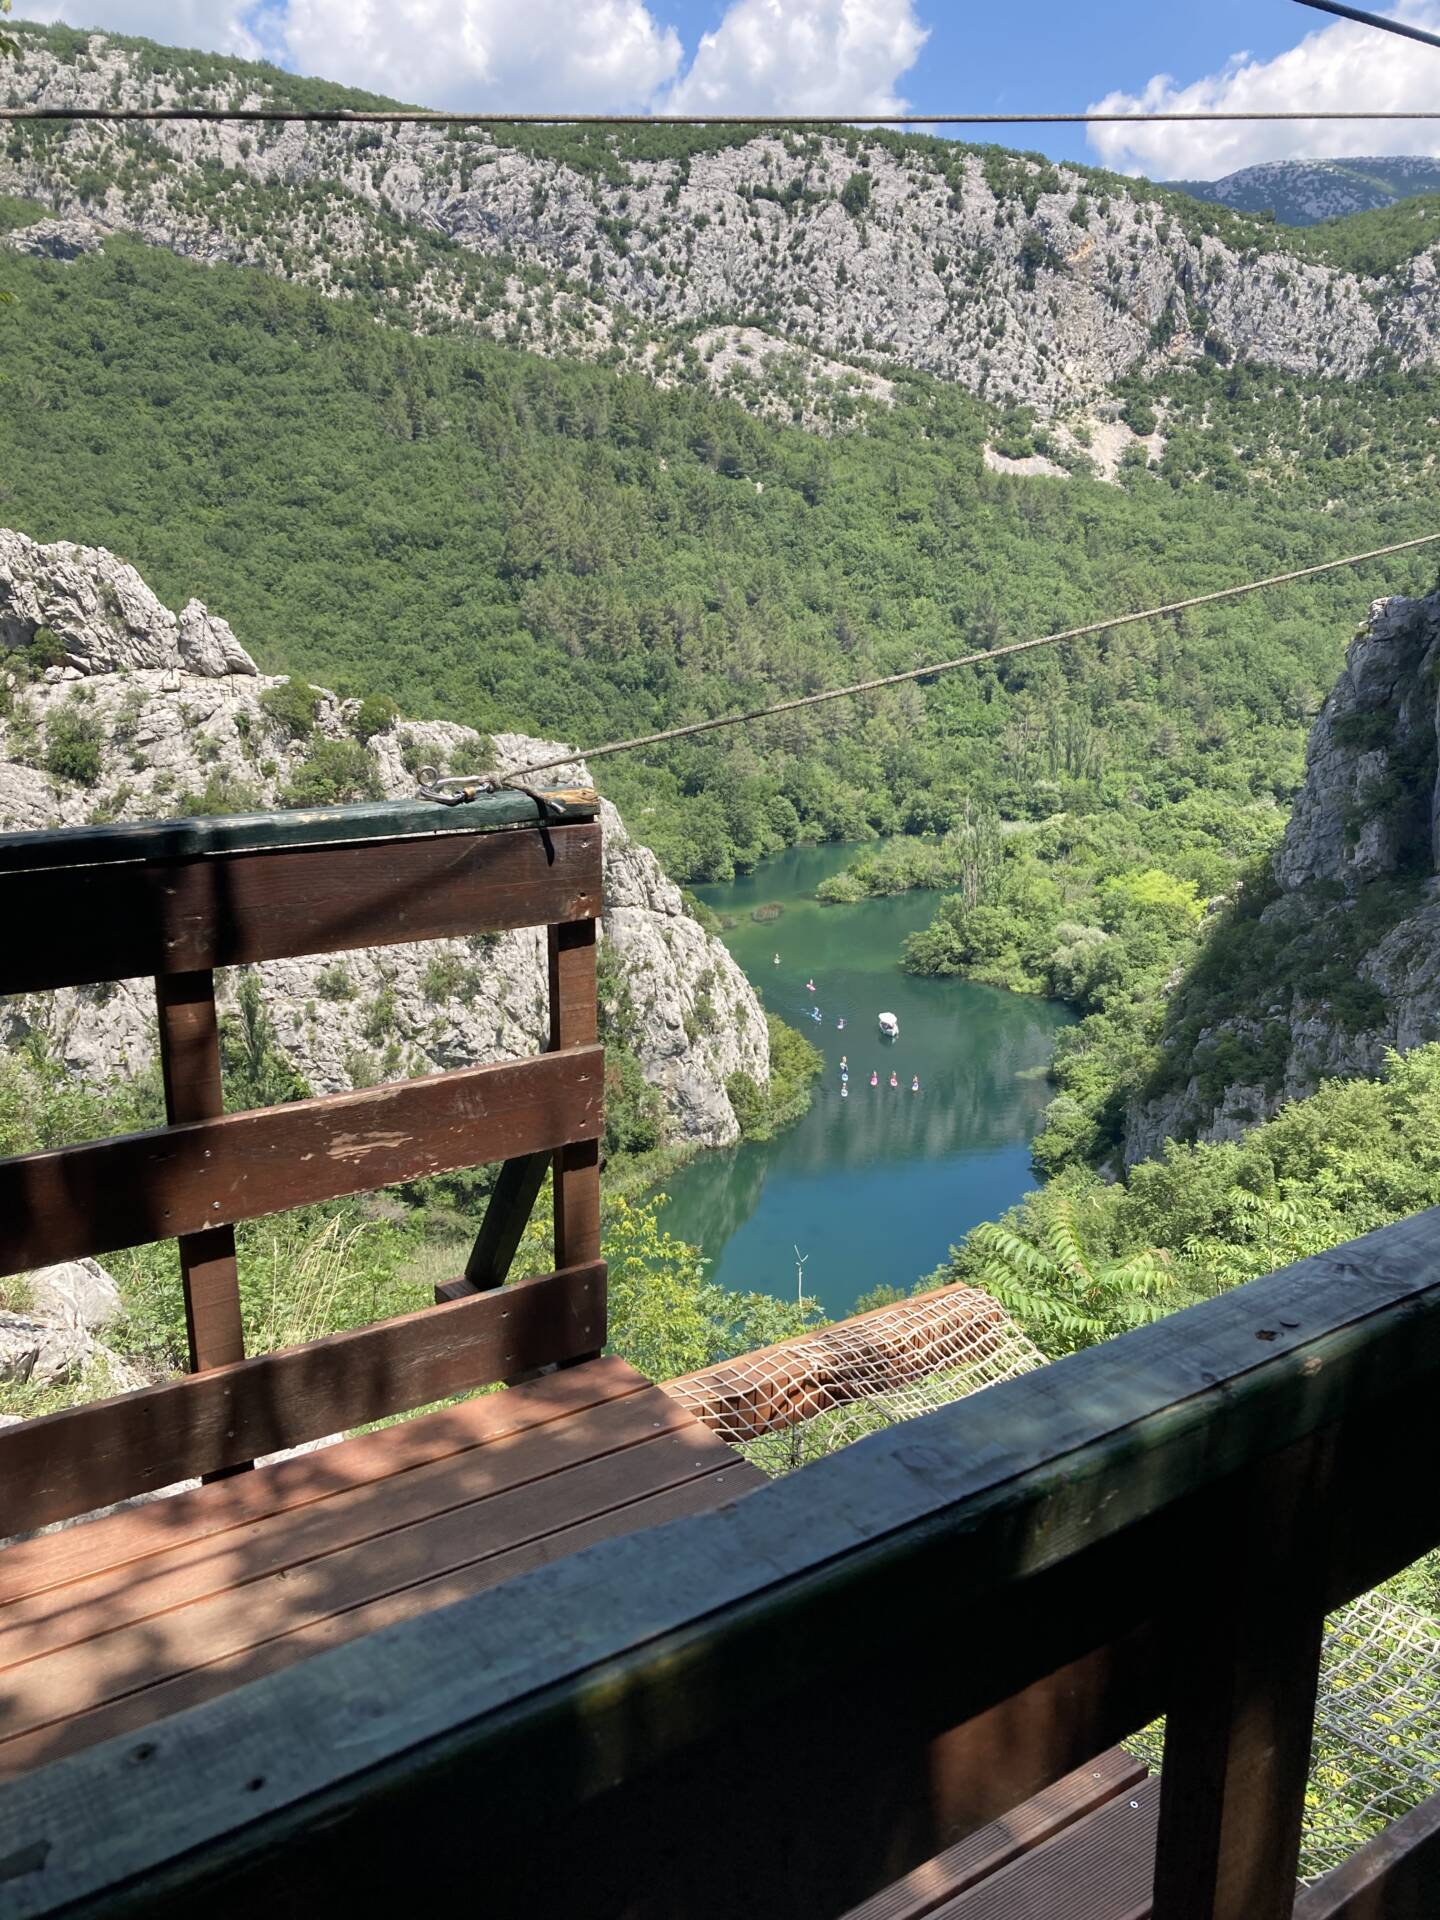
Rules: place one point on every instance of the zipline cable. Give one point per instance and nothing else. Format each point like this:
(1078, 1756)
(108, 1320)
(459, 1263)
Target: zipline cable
(830, 122)
(1383, 21)
(453, 789)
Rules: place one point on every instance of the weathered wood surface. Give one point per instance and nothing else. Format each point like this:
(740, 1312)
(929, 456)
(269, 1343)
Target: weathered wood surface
(573, 1023)
(115, 921)
(1098, 1869)
(132, 840)
(190, 1068)
(656, 1686)
(1238, 1724)
(1395, 1877)
(930, 1888)
(106, 1653)
(512, 1201)
(70, 1201)
(89, 1456)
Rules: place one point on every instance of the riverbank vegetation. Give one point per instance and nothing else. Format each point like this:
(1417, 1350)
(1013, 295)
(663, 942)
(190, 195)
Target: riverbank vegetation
(1099, 910)
(1199, 1219)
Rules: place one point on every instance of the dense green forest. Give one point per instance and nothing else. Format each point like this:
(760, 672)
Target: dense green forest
(514, 542)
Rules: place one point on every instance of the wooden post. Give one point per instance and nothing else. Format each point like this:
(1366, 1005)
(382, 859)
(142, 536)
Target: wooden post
(1239, 1726)
(190, 1066)
(574, 1023)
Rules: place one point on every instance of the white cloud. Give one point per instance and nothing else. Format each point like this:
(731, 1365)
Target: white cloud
(513, 55)
(766, 56)
(802, 56)
(218, 26)
(1344, 67)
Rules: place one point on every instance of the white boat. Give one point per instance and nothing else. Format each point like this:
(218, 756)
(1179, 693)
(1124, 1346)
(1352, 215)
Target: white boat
(889, 1026)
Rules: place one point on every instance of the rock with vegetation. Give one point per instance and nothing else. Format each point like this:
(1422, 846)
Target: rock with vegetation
(1019, 279)
(72, 610)
(1330, 956)
(159, 740)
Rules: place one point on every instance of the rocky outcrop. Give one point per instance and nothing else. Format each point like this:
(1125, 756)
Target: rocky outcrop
(173, 738)
(1354, 912)
(57, 239)
(1020, 280)
(52, 1342)
(98, 616)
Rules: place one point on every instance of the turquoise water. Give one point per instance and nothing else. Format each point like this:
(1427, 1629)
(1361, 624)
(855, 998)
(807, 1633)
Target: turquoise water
(874, 1188)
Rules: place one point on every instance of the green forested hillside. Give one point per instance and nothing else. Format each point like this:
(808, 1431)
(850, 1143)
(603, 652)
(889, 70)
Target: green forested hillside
(515, 542)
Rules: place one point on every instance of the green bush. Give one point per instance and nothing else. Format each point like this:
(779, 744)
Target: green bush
(334, 771)
(855, 194)
(292, 706)
(378, 713)
(73, 746)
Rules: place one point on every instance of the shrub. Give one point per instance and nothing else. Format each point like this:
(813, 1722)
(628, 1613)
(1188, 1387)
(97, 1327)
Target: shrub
(335, 771)
(72, 748)
(855, 194)
(334, 982)
(378, 713)
(291, 706)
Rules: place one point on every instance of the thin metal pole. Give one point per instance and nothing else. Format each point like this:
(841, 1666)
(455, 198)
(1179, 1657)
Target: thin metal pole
(1373, 20)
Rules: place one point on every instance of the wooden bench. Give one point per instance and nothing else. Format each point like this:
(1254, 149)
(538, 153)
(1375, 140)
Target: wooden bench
(114, 1623)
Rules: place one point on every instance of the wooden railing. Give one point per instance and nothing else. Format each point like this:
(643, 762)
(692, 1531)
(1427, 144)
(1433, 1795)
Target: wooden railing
(179, 899)
(782, 1706)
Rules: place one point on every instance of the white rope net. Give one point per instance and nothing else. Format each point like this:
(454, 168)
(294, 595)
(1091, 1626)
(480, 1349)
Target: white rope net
(792, 1403)
(1377, 1723)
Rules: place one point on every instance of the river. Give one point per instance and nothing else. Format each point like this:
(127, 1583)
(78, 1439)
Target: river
(873, 1188)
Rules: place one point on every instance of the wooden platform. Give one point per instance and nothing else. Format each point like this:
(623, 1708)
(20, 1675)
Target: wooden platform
(114, 1623)
(1084, 1849)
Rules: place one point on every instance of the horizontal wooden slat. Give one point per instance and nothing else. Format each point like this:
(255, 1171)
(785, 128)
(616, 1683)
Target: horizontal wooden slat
(75, 925)
(1396, 1876)
(131, 840)
(72, 1201)
(930, 1888)
(656, 1685)
(71, 1462)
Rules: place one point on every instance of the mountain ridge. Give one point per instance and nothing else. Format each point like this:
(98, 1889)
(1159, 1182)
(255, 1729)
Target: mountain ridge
(1026, 282)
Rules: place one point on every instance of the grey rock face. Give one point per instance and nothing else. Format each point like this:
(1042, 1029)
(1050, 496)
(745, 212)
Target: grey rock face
(78, 1293)
(103, 614)
(168, 731)
(57, 239)
(1368, 813)
(1019, 281)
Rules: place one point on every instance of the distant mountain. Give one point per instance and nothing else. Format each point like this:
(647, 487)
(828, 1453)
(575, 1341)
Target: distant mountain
(1300, 193)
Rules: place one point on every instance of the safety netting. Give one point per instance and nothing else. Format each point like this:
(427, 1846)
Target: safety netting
(786, 1405)
(1376, 1753)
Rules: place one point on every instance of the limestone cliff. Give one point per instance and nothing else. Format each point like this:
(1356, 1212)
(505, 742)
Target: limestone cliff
(121, 710)
(1020, 280)
(1334, 956)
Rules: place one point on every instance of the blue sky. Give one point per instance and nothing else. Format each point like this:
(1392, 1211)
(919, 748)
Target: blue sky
(834, 56)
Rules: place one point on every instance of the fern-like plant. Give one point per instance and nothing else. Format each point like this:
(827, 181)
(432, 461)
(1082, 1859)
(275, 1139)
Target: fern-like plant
(1062, 1297)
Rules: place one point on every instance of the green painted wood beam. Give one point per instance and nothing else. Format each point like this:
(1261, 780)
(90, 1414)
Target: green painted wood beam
(296, 827)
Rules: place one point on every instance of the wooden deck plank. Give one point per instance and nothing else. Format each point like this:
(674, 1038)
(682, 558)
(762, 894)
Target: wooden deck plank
(929, 1887)
(1098, 1869)
(135, 1711)
(74, 1679)
(102, 1549)
(343, 1517)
